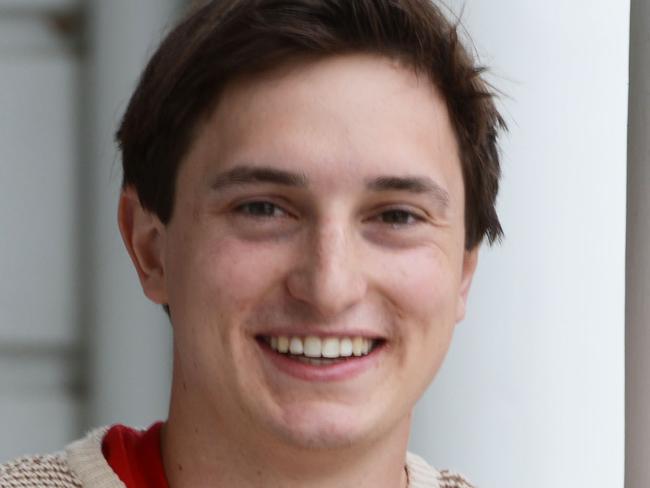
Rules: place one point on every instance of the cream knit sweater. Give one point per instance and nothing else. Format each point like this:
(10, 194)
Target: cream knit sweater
(82, 465)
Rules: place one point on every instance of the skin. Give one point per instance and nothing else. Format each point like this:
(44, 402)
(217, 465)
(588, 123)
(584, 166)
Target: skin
(326, 257)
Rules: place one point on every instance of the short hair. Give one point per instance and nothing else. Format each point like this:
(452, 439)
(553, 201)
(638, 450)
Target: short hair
(222, 40)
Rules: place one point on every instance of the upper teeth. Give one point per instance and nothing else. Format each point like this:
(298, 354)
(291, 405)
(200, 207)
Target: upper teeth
(326, 347)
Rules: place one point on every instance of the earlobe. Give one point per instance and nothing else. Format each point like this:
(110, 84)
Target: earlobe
(143, 236)
(470, 261)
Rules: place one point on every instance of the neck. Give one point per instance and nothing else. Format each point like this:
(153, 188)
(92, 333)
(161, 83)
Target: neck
(201, 448)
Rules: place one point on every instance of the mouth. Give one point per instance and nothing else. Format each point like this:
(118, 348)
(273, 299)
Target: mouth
(321, 351)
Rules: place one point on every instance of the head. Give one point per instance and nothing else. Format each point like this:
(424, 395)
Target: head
(323, 171)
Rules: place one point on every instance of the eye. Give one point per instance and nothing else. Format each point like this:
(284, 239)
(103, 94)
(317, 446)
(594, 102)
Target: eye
(398, 217)
(260, 209)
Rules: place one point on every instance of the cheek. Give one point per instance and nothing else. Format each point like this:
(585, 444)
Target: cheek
(216, 285)
(420, 286)
(423, 291)
(424, 286)
(234, 274)
(226, 277)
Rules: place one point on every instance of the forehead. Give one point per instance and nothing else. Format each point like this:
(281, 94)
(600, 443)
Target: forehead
(357, 113)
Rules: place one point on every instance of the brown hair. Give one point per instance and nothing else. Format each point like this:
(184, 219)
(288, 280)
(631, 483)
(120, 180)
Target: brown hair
(225, 39)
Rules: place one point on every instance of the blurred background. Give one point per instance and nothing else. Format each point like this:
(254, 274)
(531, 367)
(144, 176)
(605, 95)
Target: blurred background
(79, 344)
(535, 391)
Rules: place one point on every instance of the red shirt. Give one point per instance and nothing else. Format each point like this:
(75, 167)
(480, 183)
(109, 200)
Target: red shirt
(135, 456)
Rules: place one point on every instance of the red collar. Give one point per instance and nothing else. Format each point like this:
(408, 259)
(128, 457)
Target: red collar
(135, 456)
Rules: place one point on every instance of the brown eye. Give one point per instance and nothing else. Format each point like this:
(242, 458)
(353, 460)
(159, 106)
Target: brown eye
(399, 217)
(260, 209)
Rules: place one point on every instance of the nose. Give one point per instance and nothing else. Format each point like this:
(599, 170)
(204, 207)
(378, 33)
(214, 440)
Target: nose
(328, 275)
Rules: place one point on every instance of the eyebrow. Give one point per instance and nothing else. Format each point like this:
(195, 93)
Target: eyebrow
(246, 175)
(412, 184)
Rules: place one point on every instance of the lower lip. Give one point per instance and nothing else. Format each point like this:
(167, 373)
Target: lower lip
(339, 371)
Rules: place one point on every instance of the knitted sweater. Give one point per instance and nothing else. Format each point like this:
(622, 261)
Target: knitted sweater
(82, 465)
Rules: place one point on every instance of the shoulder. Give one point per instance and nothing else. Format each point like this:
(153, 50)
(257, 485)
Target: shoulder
(422, 475)
(52, 471)
(449, 479)
(81, 465)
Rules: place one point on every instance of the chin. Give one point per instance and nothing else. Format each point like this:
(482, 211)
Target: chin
(324, 426)
(325, 436)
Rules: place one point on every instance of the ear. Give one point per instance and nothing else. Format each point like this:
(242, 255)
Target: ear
(470, 260)
(143, 235)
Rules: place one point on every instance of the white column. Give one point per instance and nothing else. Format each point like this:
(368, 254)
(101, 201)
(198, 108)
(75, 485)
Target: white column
(130, 354)
(637, 445)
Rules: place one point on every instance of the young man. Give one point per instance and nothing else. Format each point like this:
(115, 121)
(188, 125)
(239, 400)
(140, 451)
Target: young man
(306, 185)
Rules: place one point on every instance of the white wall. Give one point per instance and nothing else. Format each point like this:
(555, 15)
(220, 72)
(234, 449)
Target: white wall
(532, 393)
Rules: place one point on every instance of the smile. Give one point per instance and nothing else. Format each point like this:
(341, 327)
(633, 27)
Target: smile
(313, 347)
(322, 358)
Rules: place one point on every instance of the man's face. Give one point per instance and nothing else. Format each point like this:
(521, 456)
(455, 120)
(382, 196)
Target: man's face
(320, 205)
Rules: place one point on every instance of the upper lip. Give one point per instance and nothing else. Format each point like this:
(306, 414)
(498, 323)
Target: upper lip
(305, 332)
